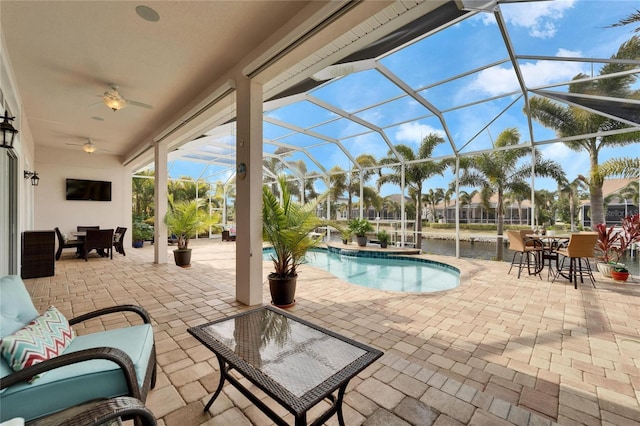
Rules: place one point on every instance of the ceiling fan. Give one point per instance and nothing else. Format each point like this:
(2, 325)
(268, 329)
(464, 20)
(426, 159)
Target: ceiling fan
(114, 100)
(89, 147)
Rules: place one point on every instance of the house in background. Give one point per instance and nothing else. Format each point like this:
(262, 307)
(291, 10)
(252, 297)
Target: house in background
(616, 205)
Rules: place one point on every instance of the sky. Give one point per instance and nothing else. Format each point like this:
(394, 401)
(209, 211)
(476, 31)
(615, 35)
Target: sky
(560, 29)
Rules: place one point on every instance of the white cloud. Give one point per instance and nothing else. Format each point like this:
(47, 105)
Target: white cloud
(573, 162)
(414, 132)
(501, 79)
(539, 17)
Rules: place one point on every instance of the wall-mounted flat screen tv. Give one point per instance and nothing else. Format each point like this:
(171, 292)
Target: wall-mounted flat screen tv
(88, 190)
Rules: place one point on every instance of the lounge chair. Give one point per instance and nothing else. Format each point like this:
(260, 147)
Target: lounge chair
(73, 370)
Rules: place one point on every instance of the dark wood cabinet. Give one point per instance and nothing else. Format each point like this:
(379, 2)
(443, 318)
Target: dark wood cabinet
(38, 254)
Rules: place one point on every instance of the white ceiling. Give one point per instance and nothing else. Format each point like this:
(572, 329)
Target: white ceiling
(66, 53)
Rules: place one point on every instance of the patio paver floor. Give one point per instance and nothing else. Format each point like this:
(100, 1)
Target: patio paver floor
(497, 350)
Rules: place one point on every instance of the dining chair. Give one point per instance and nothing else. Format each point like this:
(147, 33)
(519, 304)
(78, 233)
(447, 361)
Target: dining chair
(99, 239)
(529, 247)
(118, 240)
(63, 244)
(85, 228)
(579, 250)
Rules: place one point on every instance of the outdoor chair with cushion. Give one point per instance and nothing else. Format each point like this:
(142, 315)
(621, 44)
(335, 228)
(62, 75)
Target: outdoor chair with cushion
(46, 368)
(64, 243)
(106, 412)
(529, 247)
(118, 240)
(99, 239)
(578, 250)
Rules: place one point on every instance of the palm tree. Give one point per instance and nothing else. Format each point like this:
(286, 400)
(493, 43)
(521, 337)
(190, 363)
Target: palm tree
(623, 167)
(353, 186)
(571, 121)
(432, 198)
(142, 192)
(545, 206)
(447, 198)
(337, 186)
(391, 208)
(465, 200)
(518, 195)
(631, 192)
(633, 18)
(570, 190)
(185, 189)
(628, 192)
(499, 171)
(414, 173)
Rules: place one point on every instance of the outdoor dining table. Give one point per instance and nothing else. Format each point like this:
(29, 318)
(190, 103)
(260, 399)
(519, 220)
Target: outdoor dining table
(550, 243)
(293, 361)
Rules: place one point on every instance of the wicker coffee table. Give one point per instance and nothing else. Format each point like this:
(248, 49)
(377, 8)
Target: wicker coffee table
(296, 363)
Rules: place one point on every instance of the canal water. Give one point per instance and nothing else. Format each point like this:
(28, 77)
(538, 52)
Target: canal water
(487, 251)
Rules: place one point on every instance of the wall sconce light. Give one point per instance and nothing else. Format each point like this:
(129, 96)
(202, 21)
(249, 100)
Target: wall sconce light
(35, 179)
(8, 131)
(241, 171)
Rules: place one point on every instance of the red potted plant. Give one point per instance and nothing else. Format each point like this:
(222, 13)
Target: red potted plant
(614, 241)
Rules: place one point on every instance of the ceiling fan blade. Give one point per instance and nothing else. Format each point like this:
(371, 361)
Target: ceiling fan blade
(139, 104)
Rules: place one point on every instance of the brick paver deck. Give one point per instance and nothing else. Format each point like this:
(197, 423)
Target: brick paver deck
(497, 350)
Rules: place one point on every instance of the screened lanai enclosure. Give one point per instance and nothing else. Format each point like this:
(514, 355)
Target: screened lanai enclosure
(490, 101)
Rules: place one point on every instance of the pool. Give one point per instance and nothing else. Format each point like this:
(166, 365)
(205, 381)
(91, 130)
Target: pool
(383, 272)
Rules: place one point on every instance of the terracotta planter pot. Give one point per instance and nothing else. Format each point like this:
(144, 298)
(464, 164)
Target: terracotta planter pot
(283, 290)
(619, 276)
(182, 257)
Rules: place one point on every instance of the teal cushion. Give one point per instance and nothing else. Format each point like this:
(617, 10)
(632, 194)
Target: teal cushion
(16, 311)
(75, 384)
(16, 307)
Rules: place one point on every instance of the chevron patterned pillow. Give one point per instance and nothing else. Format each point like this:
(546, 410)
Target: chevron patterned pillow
(45, 337)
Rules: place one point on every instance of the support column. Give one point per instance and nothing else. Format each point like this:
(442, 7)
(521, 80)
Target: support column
(249, 192)
(160, 199)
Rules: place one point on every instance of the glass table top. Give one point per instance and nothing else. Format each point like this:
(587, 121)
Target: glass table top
(293, 353)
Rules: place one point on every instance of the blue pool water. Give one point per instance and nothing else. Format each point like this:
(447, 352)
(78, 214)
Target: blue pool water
(384, 273)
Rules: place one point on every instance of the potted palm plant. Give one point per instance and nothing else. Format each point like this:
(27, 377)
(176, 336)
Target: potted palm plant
(383, 238)
(345, 235)
(360, 227)
(287, 225)
(186, 219)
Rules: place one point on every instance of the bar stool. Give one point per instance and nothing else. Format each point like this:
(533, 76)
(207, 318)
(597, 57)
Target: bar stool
(578, 251)
(531, 247)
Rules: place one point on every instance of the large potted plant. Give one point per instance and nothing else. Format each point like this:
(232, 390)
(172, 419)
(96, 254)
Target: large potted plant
(287, 225)
(383, 238)
(186, 219)
(613, 241)
(140, 233)
(360, 227)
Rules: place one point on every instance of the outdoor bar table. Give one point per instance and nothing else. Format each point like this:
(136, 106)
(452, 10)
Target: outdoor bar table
(296, 363)
(550, 244)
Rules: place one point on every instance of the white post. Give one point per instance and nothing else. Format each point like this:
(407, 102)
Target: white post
(249, 192)
(160, 246)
